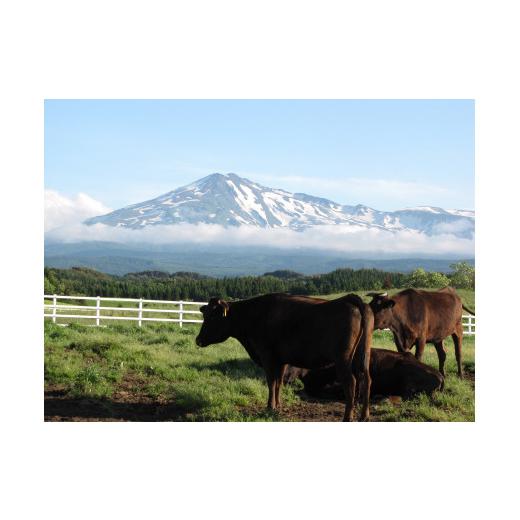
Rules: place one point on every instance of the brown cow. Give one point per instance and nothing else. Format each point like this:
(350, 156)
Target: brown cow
(392, 373)
(279, 329)
(417, 317)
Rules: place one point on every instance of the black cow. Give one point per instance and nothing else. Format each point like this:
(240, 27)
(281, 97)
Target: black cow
(279, 329)
(392, 373)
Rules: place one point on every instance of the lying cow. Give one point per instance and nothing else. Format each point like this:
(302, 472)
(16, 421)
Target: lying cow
(418, 317)
(392, 373)
(279, 329)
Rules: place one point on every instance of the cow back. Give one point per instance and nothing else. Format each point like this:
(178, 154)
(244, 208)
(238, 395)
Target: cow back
(298, 330)
(429, 314)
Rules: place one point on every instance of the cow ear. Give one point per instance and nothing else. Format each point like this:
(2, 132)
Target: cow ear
(387, 304)
(225, 307)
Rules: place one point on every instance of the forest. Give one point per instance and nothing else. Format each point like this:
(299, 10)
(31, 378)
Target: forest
(158, 285)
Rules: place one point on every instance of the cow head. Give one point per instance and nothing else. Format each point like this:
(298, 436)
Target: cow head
(381, 306)
(215, 327)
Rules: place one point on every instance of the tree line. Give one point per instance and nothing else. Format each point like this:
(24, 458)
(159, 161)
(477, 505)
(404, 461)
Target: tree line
(157, 285)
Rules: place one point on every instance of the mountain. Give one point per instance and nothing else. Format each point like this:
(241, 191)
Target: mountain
(230, 200)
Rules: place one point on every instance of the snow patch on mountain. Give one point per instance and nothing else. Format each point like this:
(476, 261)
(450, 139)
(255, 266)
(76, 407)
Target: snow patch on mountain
(230, 200)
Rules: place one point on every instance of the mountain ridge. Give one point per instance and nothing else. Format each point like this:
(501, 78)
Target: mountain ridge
(231, 200)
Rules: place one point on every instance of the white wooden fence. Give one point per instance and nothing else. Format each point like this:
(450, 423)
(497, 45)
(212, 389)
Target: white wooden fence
(468, 324)
(138, 313)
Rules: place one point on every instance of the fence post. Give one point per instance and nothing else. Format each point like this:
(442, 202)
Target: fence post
(98, 304)
(140, 314)
(180, 314)
(54, 308)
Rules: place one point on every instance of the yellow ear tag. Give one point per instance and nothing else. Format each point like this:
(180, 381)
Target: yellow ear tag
(225, 312)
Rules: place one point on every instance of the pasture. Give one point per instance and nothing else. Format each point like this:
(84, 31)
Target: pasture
(156, 373)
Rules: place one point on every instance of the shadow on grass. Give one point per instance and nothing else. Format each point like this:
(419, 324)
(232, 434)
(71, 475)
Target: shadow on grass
(60, 407)
(233, 368)
(469, 368)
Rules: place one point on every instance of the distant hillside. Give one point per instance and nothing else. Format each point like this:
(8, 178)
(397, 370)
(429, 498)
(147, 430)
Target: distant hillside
(120, 259)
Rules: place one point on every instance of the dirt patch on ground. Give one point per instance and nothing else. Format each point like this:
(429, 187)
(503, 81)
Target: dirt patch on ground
(469, 375)
(314, 410)
(123, 406)
(311, 409)
(59, 407)
(129, 404)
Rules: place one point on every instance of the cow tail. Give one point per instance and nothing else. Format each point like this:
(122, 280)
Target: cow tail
(367, 331)
(367, 326)
(468, 310)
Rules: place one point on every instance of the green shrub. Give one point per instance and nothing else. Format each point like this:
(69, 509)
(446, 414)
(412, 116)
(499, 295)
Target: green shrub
(463, 276)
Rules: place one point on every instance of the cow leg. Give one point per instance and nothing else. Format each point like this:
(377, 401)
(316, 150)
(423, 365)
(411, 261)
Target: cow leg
(441, 353)
(419, 348)
(347, 379)
(270, 376)
(367, 383)
(457, 342)
(279, 382)
(350, 395)
(362, 375)
(398, 343)
(273, 373)
(271, 386)
(345, 372)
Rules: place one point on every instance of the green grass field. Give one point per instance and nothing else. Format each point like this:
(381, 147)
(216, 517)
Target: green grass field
(156, 372)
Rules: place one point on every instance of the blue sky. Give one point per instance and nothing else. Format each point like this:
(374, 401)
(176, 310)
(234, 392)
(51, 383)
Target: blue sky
(385, 154)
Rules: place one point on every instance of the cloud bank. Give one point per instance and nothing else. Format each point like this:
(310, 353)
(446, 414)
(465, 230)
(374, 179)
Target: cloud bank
(64, 211)
(66, 216)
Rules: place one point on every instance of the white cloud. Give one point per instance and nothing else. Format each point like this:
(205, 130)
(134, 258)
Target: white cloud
(340, 238)
(64, 217)
(63, 211)
(459, 226)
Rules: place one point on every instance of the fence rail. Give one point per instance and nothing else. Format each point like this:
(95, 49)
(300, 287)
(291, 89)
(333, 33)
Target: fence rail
(98, 311)
(468, 324)
(180, 308)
